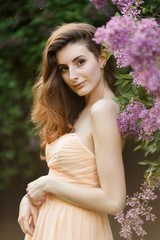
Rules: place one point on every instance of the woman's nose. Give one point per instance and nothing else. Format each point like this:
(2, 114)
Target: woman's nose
(73, 74)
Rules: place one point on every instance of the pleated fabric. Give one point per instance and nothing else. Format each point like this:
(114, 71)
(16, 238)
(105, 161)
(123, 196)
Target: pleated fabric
(70, 160)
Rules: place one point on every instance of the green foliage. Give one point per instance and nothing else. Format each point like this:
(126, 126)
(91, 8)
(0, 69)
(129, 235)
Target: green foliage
(151, 9)
(15, 126)
(126, 91)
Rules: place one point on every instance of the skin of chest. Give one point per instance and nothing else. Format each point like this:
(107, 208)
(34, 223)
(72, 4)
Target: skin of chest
(83, 129)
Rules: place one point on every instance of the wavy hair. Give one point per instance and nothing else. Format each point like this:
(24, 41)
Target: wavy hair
(56, 106)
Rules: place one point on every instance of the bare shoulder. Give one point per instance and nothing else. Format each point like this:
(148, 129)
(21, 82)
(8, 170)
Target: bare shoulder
(103, 107)
(104, 116)
(104, 126)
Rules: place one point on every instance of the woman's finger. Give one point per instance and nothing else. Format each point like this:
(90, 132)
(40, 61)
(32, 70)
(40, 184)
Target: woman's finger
(26, 227)
(34, 212)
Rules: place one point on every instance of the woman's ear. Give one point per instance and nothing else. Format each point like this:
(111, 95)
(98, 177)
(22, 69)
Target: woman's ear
(102, 58)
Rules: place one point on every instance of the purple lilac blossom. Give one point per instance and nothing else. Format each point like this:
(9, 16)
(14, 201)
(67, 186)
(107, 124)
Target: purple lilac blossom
(129, 7)
(128, 120)
(150, 121)
(117, 33)
(144, 46)
(121, 57)
(139, 208)
(149, 79)
(135, 43)
(99, 3)
(144, 54)
(138, 122)
(100, 35)
(157, 183)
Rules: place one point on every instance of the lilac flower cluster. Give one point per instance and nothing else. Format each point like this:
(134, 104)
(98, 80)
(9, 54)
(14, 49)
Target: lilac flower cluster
(128, 120)
(157, 181)
(149, 79)
(121, 57)
(117, 33)
(100, 35)
(99, 3)
(150, 121)
(139, 209)
(138, 122)
(144, 55)
(135, 43)
(129, 7)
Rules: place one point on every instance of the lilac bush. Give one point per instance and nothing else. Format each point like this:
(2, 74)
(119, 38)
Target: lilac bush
(150, 121)
(117, 33)
(99, 3)
(144, 55)
(138, 122)
(139, 210)
(128, 120)
(144, 47)
(129, 7)
(135, 43)
(121, 57)
(100, 35)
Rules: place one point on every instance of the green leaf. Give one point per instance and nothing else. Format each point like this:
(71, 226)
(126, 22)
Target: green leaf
(116, 99)
(145, 162)
(137, 148)
(125, 90)
(117, 14)
(118, 81)
(127, 76)
(118, 76)
(125, 82)
(134, 87)
(108, 54)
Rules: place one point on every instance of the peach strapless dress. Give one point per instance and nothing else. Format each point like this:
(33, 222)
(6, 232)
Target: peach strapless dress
(70, 160)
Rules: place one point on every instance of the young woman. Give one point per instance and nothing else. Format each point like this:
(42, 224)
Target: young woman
(75, 110)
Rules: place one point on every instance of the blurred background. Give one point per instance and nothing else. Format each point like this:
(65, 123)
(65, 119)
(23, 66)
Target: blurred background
(25, 26)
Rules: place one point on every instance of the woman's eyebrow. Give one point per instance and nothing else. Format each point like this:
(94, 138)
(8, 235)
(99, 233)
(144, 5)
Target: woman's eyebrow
(79, 56)
(61, 65)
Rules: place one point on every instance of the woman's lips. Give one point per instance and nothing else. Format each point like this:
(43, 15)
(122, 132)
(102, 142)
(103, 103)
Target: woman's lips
(79, 85)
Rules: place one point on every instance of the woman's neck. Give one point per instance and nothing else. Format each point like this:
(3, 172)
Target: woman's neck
(100, 92)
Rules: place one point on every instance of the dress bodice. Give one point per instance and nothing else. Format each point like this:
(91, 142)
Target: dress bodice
(70, 160)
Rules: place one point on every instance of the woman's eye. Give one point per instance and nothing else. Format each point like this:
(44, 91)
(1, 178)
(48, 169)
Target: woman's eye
(63, 69)
(81, 62)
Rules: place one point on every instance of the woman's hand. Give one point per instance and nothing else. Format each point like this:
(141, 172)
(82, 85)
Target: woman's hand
(36, 190)
(28, 214)
(38, 201)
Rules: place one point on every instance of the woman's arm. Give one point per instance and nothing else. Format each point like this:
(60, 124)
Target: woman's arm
(110, 197)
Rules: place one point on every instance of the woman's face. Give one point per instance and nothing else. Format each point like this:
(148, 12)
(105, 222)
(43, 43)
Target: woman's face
(79, 67)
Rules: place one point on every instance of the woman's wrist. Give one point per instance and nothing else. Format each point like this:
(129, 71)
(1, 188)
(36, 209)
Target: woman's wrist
(25, 200)
(27, 196)
(49, 185)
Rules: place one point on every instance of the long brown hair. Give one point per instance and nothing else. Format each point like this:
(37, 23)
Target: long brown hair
(56, 106)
